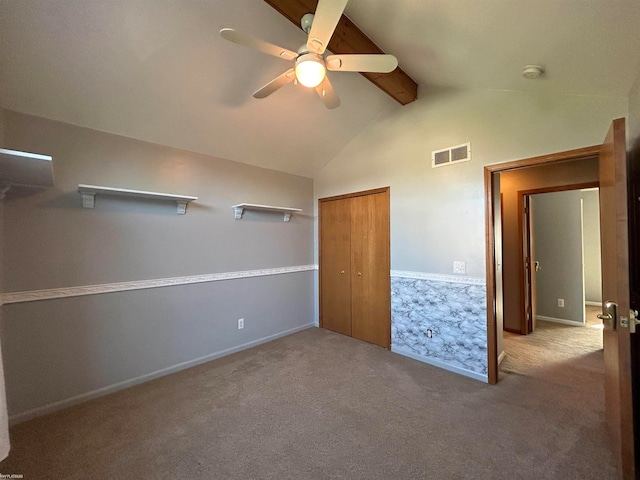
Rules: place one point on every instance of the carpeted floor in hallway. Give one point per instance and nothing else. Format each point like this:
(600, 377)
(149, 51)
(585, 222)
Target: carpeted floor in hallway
(553, 345)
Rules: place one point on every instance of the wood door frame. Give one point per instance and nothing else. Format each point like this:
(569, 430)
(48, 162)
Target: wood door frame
(373, 191)
(489, 170)
(521, 237)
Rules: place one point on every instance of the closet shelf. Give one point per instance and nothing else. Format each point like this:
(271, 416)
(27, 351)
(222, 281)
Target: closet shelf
(239, 209)
(89, 193)
(24, 169)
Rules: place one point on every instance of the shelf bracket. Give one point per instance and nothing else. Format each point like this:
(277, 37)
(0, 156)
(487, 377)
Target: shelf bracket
(237, 212)
(88, 200)
(182, 207)
(287, 217)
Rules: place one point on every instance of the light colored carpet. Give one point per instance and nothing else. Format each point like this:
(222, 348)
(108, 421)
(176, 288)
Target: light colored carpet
(319, 405)
(558, 352)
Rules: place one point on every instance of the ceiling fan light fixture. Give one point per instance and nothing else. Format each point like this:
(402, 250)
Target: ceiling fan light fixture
(310, 70)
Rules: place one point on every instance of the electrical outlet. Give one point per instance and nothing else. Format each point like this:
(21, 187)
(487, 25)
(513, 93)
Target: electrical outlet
(240, 323)
(459, 267)
(561, 302)
(429, 333)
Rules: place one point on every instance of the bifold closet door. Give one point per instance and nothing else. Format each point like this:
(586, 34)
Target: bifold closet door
(335, 265)
(370, 266)
(355, 287)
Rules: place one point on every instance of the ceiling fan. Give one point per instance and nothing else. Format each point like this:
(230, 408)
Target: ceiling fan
(311, 63)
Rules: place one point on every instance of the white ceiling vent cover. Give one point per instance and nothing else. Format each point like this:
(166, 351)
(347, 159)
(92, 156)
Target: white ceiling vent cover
(451, 155)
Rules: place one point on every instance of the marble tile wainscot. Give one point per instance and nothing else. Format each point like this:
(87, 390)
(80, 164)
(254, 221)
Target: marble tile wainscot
(453, 308)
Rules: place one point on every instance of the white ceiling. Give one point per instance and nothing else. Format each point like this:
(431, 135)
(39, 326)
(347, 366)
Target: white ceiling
(158, 71)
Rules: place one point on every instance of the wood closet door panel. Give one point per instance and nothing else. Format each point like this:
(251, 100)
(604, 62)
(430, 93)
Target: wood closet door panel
(370, 276)
(335, 265)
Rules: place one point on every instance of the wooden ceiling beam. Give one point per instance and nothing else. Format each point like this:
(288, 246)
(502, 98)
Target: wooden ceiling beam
(349, 39)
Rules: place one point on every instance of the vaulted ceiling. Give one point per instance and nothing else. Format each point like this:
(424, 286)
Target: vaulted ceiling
(157, 70)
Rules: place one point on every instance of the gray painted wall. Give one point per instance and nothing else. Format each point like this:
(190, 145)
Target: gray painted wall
(5, 443)
(2, 145)
(64, 244)
(591, 246)
(58, 349)
(2, 230)
(557, 219)
(63, 348)
(1, 127)
(1, 254)
(633, 120)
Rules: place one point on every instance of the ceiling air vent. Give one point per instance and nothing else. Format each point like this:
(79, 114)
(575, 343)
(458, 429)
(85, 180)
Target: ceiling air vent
(448, 156)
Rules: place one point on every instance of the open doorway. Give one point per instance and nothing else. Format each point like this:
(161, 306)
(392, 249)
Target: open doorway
(505, 271)
(518, 266)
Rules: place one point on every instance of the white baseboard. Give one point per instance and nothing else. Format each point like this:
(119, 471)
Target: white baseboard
(560, 320)
(445, 366)
(83, 397)
(593, 304)
(501, 357)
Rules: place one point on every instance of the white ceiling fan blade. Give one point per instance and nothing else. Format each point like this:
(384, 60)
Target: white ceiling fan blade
(325, 20)
(379, 63)
(249, 41)
(327, 94)
(280, 81)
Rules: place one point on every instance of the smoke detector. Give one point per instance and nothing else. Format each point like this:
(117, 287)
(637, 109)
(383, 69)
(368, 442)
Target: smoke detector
(532, 72)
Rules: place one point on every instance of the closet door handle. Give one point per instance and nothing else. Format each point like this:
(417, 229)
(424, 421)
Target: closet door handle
(359, 274)
(342, 272)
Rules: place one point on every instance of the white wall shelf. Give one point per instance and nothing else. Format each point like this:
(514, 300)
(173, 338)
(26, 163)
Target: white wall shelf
(239, 209)
(89, 193)
(24, 169)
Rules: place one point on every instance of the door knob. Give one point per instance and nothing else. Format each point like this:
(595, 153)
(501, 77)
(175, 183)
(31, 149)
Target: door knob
(342, 272)
(359, 274)
(609, 316)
